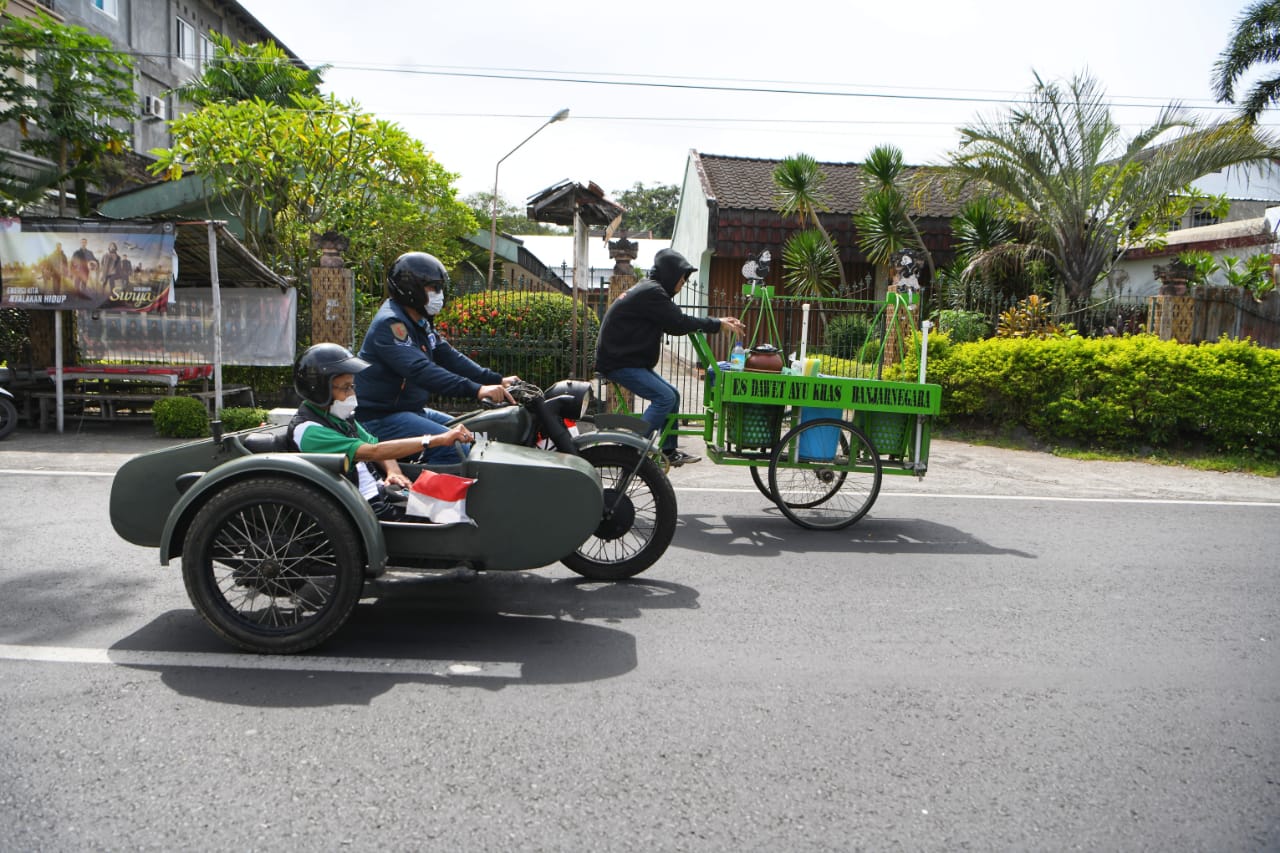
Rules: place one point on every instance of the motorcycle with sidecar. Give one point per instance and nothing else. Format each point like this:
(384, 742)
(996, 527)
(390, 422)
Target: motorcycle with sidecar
(277, 546)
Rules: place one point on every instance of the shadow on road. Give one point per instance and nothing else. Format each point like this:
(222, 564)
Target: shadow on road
(530, 623)
(768, 533)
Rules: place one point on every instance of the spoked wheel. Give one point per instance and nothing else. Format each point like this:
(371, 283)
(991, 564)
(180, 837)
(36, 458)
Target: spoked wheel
(273, 565)
(8, 416)
(639, 516)
(762, 481)
(825, 474)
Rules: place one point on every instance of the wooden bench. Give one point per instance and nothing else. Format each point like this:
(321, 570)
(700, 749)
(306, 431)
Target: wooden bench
(107, 406)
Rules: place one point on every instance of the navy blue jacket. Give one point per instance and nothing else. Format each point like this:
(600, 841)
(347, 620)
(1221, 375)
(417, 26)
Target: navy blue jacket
(409, 363)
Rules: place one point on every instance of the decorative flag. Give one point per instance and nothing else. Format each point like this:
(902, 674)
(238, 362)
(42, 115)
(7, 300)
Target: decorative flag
(440, 498)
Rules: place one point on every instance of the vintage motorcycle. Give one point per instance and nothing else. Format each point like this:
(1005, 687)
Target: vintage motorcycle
(8, 406)
(278, 547)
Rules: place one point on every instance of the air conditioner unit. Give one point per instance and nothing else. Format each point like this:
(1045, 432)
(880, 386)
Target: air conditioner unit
(153, 107)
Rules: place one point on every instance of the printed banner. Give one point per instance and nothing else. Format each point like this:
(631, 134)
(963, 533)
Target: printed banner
(86, 265)
(257, 329)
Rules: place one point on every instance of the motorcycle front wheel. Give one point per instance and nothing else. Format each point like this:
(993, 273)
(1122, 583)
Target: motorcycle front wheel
(639, 516)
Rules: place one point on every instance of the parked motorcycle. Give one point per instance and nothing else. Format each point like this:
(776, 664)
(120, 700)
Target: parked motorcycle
(8, 406)
(639, 516)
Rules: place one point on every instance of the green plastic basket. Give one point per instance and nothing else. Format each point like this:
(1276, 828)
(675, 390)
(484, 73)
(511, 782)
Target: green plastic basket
(888, 431)
(752, 424)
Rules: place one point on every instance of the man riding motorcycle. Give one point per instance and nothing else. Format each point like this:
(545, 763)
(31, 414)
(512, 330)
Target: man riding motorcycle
(409, 360)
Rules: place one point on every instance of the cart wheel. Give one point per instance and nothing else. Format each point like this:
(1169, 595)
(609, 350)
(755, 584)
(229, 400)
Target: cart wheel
(638, 523)
(273, 565)
(824, 474)
(762, 481)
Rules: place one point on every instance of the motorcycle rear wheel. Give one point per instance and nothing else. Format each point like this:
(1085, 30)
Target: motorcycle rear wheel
(638, 523)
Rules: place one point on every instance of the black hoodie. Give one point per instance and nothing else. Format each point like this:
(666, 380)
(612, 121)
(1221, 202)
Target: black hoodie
(631, 334)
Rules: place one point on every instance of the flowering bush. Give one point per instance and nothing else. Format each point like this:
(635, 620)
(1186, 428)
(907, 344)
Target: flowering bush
(524, 333)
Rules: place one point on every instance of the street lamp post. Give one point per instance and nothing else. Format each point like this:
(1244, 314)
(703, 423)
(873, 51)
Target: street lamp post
(493, 219)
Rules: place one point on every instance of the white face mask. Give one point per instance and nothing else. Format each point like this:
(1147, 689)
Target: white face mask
(343, 409)
(435, 301)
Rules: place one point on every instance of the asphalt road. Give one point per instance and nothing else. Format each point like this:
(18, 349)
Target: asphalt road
(1015, 653)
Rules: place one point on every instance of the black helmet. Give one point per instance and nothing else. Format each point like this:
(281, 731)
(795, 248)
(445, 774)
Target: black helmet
(411, 273)
(314, 370)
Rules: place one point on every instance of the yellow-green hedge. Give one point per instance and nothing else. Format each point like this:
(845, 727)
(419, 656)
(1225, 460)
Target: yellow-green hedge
(1116, 392)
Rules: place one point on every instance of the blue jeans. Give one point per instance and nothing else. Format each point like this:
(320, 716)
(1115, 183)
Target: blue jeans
(663, 397)
(409, 424)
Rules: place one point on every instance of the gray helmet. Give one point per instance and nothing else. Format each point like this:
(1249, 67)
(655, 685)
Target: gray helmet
(314, 370)
(411, 274)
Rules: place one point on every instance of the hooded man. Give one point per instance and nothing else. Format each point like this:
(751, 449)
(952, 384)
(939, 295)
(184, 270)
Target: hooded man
(630, 341)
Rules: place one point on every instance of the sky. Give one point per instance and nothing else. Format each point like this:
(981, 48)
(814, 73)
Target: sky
(646, 82)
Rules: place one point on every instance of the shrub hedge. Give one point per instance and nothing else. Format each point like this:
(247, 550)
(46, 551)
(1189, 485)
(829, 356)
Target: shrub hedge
(180, 417)
(1115, 392)
(522, 333)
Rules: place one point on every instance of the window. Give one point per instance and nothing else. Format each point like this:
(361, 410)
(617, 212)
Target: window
(1203, 217)
(108, 7)
(206, 50)
(186, 43)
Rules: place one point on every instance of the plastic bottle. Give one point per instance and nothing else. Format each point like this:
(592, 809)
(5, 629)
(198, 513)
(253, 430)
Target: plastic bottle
(738, 358)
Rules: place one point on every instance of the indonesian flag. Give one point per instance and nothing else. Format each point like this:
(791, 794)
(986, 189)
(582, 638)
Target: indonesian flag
(440, 498)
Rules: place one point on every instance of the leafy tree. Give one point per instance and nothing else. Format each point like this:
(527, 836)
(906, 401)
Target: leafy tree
(1083, 192)
(245, 72)
(650, 208)
(63, 87)
(1256, 41)
(287, 173)
(511, 219)
(798, 183)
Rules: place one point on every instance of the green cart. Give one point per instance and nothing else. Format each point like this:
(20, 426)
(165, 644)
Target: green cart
(817, 446)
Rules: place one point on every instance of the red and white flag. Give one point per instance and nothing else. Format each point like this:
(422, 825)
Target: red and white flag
(440, 498)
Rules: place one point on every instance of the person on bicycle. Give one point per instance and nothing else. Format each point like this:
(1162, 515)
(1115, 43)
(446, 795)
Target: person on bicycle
(630, 341)
(324, 377)
(409, 360)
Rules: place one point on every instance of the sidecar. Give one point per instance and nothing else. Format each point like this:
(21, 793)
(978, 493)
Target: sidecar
(276, 546)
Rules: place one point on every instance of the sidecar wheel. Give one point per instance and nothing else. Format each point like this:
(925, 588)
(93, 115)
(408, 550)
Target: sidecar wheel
(273, 565)
(8, 417)
(631, 537)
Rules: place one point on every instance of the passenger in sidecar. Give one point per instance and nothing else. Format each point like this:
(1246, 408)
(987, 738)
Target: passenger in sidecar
(324, 377)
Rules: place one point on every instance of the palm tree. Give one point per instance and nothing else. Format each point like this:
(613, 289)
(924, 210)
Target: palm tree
(810, 266)
(884, 224)
(1256, 40)
(1083, 192)
(245, 72)
(798, 191)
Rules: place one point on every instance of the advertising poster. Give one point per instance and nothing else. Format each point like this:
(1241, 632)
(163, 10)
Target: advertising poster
(86, 266)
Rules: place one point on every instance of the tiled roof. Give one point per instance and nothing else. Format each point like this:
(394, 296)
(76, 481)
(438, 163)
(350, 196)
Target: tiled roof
(746, 183)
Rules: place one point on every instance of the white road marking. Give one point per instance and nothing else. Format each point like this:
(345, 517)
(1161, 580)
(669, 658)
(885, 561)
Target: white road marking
(38, 472)
(1059, 498)
(291, 663)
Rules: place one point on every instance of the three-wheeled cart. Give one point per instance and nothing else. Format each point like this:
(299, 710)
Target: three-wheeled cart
(816, 445)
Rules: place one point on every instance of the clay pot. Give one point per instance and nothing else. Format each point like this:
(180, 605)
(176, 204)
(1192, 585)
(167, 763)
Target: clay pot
(765, 358)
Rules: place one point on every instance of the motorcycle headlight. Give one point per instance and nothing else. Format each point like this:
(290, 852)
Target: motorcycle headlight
(576, 397)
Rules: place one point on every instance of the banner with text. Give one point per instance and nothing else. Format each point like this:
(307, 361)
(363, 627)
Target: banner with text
(86, 265)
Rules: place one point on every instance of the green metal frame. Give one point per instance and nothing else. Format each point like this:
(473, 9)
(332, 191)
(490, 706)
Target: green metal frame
(895, 416)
